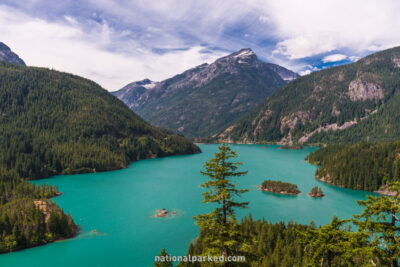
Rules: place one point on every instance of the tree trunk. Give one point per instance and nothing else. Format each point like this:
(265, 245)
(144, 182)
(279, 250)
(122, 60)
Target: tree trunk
(224, 210)
(395, 261)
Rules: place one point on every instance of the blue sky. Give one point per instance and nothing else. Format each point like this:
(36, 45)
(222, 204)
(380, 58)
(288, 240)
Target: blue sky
(117, 42)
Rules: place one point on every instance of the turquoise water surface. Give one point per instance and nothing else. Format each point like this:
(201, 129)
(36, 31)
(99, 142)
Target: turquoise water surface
(121, 205)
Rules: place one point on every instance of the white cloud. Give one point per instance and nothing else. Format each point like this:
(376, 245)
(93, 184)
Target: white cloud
(264, 19)
(303, 46)
(66, 47)
(120, 48)
(305, 72)
(354, 58)
(334, 58)
(308, 28)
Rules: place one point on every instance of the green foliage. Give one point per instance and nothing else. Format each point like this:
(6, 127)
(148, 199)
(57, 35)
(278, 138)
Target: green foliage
(380, 219)
(57, 123)
(363, 166)
(221, 223)
(265, 244)
(375, 242)
(165, 260)
(278, 187)
(322, 98)
(333, 245)
(23, 224)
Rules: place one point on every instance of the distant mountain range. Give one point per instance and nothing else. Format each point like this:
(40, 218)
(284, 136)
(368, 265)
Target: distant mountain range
(6, 55)
(345, 104)
(206, 99)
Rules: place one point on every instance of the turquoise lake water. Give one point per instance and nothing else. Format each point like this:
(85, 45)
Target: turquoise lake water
(121, 205)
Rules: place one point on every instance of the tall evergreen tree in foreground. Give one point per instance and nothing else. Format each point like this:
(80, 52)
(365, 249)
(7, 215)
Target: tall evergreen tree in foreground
(381, 220)
(375, 242)
(220, 225)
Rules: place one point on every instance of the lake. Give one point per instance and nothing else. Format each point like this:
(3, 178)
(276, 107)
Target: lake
(120, 205)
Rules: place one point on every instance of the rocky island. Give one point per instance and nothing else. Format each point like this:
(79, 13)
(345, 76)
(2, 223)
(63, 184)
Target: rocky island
(316, 192)
(279, 187)
(162, 213)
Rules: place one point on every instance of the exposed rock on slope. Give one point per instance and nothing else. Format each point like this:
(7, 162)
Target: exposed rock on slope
(206, 99)
(349, 103)
(361, 90)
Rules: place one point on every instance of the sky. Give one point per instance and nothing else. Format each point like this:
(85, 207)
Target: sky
(118, 42)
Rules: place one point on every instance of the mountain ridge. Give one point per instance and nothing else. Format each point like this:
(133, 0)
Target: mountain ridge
(7, 55)
(204, 99)
(344, 104)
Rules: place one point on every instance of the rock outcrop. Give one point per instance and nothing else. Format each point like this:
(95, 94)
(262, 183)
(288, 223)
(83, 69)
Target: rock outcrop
(206, 99)
(361, 90)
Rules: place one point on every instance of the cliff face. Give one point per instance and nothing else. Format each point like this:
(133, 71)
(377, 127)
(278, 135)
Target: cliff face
(348, 103)
(204, 100)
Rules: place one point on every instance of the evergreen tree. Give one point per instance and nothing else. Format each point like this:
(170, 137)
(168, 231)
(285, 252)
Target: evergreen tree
(220, 226)
(381, 219)
(165, 259)
(334, 245)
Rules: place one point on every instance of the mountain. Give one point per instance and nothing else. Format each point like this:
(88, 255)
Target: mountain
(6, 55)
(57, 123)
(204, 100)
(345, 104)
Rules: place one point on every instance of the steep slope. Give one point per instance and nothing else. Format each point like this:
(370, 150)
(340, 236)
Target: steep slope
(57, 123)
(347, 104)
(6, 55)
(206, 99)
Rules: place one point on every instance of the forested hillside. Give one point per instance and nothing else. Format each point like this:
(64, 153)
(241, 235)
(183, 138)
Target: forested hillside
(363, 166)
(57, 123)
(345, 104)
(267, 244)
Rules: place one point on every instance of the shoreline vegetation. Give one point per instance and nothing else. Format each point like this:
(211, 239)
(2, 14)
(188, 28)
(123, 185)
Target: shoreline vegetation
(292, 147)
(28, 223)
(55, 123)
(363, 166)
(375, 241)
(383, 190)
(279, 187)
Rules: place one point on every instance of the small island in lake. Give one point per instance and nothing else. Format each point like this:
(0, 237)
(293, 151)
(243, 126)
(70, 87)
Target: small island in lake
(316, 192)
(279, 187)
(162, 213)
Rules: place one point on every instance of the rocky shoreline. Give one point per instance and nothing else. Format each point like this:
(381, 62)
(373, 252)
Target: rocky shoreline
(383, 191)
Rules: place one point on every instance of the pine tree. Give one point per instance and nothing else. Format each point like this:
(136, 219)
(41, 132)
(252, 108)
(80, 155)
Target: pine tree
(334, 245)
(381, 219)
(165, 260)
(222, 233)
